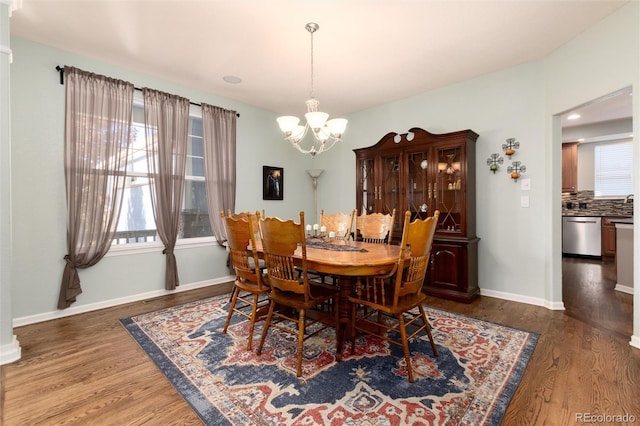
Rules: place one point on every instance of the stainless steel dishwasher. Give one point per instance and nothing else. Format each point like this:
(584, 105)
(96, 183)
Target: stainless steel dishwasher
(582, 235)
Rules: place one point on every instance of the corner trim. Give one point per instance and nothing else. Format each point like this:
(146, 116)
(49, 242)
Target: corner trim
(10, 352)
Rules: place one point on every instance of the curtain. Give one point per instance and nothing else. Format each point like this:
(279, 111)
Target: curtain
(166, 130)
(219, 139)
(97, 135)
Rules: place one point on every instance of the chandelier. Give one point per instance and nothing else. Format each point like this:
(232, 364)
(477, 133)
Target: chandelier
(325, 132)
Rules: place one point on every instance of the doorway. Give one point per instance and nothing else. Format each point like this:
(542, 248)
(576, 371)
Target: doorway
(589, 282)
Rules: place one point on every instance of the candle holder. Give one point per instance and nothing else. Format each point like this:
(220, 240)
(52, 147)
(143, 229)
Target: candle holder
(494, 161)
(510, 147)
(516, 169)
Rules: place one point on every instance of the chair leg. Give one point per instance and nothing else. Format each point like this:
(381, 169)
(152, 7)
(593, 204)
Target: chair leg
(353, 329)
(252, 321)
(300, 341)
(405, 346)
(339, 332)
(428, 328)
(234, 299)
(266, 327)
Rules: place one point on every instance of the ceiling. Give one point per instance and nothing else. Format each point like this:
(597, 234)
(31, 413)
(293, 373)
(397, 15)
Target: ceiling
(366, 53)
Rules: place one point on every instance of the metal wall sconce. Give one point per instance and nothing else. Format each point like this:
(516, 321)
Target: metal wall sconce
(510, 147)
(516, 169)
(493, 162)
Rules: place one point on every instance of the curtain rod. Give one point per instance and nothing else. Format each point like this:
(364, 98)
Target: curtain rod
(61, 71)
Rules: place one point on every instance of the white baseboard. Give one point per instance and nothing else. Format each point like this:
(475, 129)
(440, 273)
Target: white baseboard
(47, 316)
(635, 342)
(11, 352)
(624, 288)
(554, 306)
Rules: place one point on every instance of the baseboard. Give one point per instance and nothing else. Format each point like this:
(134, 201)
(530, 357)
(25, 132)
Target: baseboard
(554, 306)
(624, 288)
(11, 352)
(75, 310)
(635, 342)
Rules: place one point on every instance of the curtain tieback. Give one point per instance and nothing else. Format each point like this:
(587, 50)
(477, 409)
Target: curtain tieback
(67, 259)
(165, 251)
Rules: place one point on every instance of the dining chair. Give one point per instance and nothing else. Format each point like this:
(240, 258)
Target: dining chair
(289, 289)
(250, 286)
(341, 224)
(376, 227)
(398, 293)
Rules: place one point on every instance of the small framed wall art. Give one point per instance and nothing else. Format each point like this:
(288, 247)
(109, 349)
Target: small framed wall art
(272, 183)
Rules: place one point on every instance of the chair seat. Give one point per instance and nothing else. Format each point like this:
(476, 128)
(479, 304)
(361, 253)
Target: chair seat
(294, 300)
(252, 287)
(405, 303)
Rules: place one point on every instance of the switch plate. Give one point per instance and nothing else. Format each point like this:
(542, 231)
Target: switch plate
(524, 201)
(525, 184)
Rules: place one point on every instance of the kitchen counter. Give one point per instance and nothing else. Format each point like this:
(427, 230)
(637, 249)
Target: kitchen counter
(624, 256)
(621, 220)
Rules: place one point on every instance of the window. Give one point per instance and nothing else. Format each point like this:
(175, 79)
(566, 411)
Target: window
(136, 223)
(613, 169)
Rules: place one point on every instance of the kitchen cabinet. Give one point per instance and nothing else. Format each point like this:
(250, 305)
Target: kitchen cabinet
(570, 167)
(608, 237)
(423, 172)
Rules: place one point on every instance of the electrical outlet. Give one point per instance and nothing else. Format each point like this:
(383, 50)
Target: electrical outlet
(524, 201)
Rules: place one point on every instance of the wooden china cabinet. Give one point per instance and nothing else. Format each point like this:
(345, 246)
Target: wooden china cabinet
(423, 172)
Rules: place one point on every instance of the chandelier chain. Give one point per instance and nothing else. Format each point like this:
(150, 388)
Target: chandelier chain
(311, 31)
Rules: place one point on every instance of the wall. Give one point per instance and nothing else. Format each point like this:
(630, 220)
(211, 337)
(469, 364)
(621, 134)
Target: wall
(601, 60)
(38, 191)
(520, 248)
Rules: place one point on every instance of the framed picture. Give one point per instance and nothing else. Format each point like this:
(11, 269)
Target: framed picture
(272, 183)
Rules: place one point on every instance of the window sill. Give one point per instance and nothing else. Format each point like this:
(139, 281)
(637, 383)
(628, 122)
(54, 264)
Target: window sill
(157, 246)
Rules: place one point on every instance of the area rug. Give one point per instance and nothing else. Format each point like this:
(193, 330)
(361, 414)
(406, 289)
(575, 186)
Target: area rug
(470, 383)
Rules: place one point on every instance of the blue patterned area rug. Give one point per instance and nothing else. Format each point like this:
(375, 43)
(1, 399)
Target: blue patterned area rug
(470, 383)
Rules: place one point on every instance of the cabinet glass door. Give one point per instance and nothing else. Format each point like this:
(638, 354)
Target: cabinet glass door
(367, 186)
(418, 188)
(449, 189)
(390, 185)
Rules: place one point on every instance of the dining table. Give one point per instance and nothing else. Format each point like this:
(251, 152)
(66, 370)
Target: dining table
(348, 261)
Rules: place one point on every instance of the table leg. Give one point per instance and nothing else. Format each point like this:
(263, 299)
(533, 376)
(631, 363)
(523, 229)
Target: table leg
(346, 286)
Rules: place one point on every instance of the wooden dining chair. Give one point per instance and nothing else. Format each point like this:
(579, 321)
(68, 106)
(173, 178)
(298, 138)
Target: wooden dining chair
(376, 227)
(339, 223)
(250, 286)
(398, 293)
(289, 289)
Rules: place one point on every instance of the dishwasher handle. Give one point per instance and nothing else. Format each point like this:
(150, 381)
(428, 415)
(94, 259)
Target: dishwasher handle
(581, 221)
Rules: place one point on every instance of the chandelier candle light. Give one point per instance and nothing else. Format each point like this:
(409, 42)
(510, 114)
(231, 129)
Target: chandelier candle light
(325, 132)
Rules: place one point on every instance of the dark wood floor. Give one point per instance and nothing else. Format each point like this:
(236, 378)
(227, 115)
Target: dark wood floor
(86, 369)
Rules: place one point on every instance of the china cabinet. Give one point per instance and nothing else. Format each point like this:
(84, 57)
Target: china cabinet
(423, 172)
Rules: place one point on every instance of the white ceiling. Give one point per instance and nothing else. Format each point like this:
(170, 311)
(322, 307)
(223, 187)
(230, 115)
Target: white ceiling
(367, 53)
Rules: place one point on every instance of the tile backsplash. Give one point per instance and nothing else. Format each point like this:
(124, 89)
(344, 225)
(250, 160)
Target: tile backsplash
(582, 203)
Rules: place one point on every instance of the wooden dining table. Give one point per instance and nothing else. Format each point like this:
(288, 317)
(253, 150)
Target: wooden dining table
(348, 260)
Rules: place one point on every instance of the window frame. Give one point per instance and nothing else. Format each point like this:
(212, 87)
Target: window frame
(155, 246)
(628, 144)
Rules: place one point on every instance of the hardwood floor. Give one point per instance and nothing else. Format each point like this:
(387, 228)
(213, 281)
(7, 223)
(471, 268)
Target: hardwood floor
(86, 369)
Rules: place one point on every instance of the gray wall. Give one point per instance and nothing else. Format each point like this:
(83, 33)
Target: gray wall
(520, 248)
(38, 189)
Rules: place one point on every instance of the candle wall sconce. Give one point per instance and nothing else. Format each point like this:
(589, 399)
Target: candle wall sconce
(516, 170)
(494, 161)
(510, 147)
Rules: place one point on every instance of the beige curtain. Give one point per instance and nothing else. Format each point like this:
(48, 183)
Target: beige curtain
(97, 134)
(219, 139)
(166, 125)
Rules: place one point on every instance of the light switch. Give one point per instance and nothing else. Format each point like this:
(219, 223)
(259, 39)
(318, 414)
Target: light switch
(525, 185)
(524, 201)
